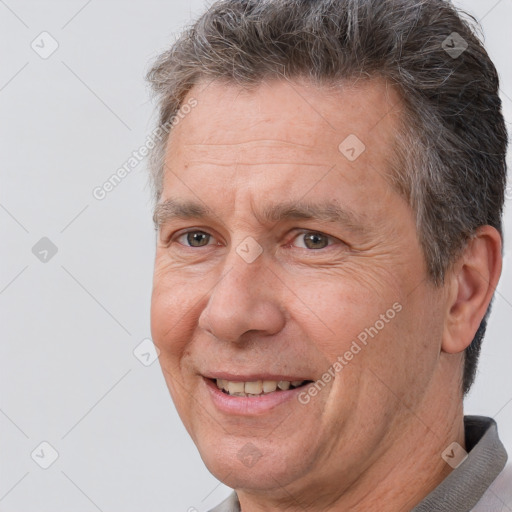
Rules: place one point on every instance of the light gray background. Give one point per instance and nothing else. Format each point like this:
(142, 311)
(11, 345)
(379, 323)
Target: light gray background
(68, 375)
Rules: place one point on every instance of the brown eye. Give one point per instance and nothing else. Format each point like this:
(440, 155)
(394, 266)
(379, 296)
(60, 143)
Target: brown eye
(197, 238)
(313, 240)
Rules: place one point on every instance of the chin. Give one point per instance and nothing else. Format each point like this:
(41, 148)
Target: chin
(254, 464)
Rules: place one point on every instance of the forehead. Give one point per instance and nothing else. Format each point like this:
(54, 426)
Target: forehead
(287, 116)
(283, 135)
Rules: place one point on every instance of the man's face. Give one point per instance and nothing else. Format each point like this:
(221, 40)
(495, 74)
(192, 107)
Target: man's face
(269, 285)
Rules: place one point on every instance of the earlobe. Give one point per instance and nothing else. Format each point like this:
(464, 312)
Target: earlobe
(471, 282)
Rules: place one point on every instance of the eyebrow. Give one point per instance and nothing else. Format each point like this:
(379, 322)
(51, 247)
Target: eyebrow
(173, 208)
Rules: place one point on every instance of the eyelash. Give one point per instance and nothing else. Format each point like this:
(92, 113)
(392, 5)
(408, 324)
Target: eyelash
(301, 233)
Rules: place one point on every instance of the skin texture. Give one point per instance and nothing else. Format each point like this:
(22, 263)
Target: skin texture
(371, 439)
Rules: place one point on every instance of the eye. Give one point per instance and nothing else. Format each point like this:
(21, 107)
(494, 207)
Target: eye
(194, 238)
(312, 240)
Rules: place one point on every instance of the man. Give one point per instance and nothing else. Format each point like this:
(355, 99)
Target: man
(329, 191)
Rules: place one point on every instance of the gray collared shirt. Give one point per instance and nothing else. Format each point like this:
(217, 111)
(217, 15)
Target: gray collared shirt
(479, 484)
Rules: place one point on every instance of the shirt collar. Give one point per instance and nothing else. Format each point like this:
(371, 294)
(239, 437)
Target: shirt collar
(464, 486)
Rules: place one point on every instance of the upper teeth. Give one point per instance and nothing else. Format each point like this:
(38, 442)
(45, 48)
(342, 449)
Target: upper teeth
(256, 387)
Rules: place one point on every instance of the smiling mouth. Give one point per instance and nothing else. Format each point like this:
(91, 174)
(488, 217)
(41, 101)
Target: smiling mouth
(257, 388)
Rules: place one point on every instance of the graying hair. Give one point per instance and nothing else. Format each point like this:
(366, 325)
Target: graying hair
(449, 155)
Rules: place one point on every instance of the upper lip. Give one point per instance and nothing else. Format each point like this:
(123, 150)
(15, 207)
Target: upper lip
(252, 376)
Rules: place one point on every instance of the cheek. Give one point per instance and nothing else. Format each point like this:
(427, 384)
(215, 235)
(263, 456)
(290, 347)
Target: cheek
(404, 357)
(341, 310)
(171, 332)
(171, 311)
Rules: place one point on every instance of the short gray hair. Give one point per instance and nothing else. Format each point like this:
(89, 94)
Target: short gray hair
(449, 155)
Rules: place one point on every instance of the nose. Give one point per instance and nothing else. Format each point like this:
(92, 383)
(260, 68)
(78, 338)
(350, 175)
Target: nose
(245, 299)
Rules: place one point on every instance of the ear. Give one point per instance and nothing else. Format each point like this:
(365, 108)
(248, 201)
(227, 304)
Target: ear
(471, 283)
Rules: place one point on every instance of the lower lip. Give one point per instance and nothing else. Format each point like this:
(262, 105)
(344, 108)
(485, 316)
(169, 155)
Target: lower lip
(249, 406)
